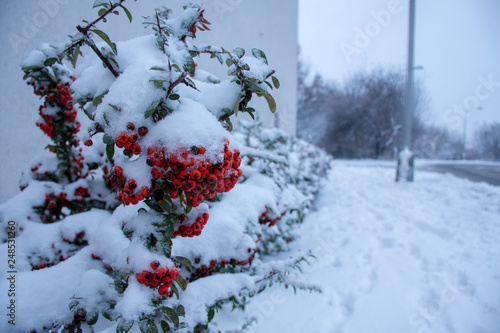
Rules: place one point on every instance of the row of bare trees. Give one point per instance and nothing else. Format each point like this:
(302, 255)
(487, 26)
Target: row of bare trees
(362, 117)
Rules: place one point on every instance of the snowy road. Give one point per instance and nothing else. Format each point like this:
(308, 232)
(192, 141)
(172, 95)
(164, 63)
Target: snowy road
(476, 172)
(394, 258)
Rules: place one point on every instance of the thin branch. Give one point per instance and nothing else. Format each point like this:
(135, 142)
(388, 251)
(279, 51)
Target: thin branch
(111, 9)
(242, 106)
(85, 32)
(99, 53)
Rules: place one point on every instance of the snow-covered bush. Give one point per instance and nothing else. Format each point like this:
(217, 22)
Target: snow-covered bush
(201, 209)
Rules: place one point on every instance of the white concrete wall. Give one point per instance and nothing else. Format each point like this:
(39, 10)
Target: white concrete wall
(270, 25)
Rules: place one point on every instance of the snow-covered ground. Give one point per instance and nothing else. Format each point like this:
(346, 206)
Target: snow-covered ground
(392, 258)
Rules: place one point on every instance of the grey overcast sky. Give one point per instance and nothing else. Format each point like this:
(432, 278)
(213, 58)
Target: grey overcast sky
(457, 44)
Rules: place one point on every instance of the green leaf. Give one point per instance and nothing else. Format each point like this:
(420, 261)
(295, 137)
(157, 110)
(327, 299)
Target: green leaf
(190, 66)
(179, 309)
(110, 151)
(105, 116)
(211, 314)
(115, 107)
(176, 67)
(152, 109)
(158, 69)
(169, 231)
(127, 13)
(236, 106)
(149, 113)
(98, 99)
(175, 290)
(230, 124)
(181, 282)
(229, 62)
(165, 327)
(92, 319)
(74, 58)
(188, 208)
(271, 102)
(239, 52)
(49, 61)
(102, 11)
(276, 82)
(107, 139)
(164, 204)
(105, 38)
(107, 315)
(89, 115)
(73, 304)
(171, 316)
(174, 97)
(259, 54)
(157, 83)
(148, 325)
(184, 261)
(124, 326)
(98, 3)
(251, 114)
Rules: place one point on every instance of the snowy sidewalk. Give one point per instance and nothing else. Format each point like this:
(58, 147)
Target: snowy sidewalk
(394, 258)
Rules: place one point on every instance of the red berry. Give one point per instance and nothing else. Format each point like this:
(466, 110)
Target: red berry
(133, 137)
(143, 130)
(195, 175)
(136, 149)
(154, 265)
(163, 290)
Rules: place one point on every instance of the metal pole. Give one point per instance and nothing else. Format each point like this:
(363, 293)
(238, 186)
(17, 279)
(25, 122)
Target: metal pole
(405, 170)
(409, 79)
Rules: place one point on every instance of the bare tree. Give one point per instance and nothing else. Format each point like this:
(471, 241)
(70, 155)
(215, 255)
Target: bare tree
(363, 117)
(437, 142)
(488, 141)
(313, 98)
(366, 115)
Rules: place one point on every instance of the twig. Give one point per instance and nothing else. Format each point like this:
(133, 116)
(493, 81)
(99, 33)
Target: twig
(85, 32)
(179, 80)
(99, 54)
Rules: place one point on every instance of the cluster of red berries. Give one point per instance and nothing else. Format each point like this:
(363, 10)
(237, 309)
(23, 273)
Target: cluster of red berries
(48, 264)
(128, 194)
(193, 229)
(58, 122)
(184, 171)
(106, 175)
(217, 266)
(160, 278)
(106, 266)
(50, 211)
(59, 96)
(265, 219)
(78, 239)
(81, 191)
(128, 140)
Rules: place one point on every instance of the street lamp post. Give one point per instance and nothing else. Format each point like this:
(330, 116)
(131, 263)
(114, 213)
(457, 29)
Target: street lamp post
(405, 169)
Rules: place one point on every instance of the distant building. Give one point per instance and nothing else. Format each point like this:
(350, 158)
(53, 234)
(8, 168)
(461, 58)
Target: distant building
(25, 24)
